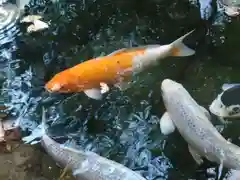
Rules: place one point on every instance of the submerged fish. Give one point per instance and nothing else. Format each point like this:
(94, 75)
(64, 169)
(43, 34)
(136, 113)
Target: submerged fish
(195, 127)
(231, 7)
(114, 69)
(85, 165)
(206, 9)
(227, 103)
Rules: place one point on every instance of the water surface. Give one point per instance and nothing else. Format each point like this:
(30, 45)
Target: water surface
(124, 126)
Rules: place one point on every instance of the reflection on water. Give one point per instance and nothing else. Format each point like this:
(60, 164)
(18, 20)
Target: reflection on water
(9, 14)
(124, 125)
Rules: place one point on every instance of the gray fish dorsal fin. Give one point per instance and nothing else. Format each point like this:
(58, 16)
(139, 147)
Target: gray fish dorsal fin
(228, 86)
(119, 51)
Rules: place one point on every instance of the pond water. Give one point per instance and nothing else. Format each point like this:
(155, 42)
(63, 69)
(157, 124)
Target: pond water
(124, 126)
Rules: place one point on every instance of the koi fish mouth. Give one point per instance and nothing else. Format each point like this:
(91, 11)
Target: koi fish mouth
(54, 88)
(170, 85)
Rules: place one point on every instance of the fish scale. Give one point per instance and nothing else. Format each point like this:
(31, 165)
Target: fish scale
(195, 127)
(88, 165)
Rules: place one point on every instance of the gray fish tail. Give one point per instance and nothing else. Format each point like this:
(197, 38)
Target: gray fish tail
(38, 132)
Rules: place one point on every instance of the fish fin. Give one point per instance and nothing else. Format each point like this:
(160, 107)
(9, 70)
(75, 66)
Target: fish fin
(102, 54)
(195, 155)
(122, 85)
(94, 93)
(104, 87)
(38, 132)
(222, 120)
(206, 112)
(228, 86)
(179, 48)
(166, 124)
(119, 51)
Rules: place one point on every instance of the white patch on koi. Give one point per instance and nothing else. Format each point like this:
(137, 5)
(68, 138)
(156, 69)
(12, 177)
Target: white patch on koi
(56, 87)
(104, 87)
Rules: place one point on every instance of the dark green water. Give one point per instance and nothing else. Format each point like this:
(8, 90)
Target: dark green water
(124, 126)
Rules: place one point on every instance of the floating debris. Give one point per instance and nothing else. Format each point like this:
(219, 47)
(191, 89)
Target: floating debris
(231, 7)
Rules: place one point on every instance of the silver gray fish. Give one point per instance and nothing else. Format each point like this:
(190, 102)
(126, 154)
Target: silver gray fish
(195, 127)
(85, 165)
(231, 7)
(227, 103)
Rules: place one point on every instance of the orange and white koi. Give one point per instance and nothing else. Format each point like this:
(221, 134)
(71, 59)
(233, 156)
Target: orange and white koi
(93, 76)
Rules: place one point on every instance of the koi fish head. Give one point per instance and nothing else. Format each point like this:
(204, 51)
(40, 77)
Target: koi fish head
(171, 91)
(227, 103)
(62, 82)
(170, 87)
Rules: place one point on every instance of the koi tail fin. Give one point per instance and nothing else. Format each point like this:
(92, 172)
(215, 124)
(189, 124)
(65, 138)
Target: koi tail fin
(179, 48)
(38, 132)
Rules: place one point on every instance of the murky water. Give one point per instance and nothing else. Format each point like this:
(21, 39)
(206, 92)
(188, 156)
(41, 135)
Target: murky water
(124, 126)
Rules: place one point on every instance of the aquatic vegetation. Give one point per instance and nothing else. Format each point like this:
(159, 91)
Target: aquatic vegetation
(124, 125)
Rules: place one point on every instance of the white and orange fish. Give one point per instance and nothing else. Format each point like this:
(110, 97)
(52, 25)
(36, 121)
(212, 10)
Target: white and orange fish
(94, 76)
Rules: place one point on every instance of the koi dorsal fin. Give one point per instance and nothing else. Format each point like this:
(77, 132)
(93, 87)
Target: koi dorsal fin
(120, 51)
(117, 52)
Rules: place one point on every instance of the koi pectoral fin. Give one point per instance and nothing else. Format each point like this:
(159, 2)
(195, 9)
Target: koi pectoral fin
(195, 155)
(104, 87)
(166, 124)
(94, 93)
